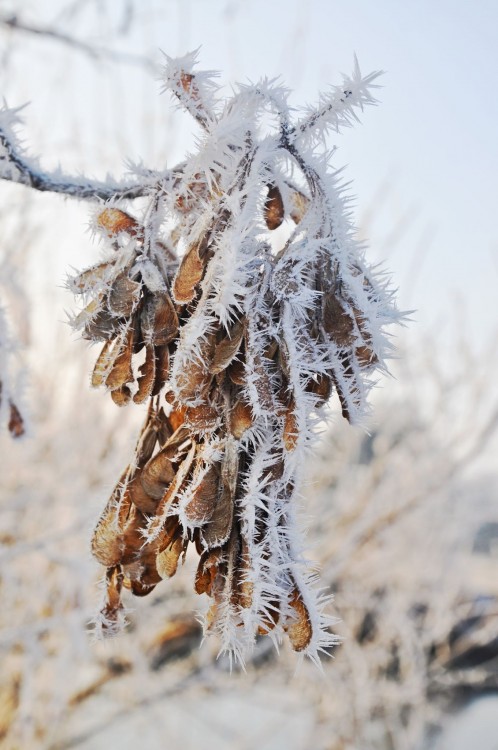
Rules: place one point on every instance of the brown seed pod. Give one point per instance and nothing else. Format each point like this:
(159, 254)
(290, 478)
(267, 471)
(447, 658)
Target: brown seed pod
(226, 350)
(124, 295)
(236, 372)
(366, 356)
(188, 276)
(262, 382)
(274, 208)
(207, 570)
(157, 475)
(299, 205)
(321, 387)
(167, 560)
(200, 508)
(121, 371)
(137, 586)
(112, 605)
(142, 500)
(177, 417)
(201, 418)
(178, 444)
(162, 369)
(202, 581)
(103, 365)
(157, 523)
(86, 281)
(102, 327)
(195, 380)
(158, 319)
(299, 630)
(107, 539)
(337, 323)
(132, 534)
(114, 221)
(217, 531)
(291, 430)
(241, 418)
(89, 312)
(146, 443)
(16, 422)
(121, 396)
(147, 376)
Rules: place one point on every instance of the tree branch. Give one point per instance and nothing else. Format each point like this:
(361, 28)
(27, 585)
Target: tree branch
(15, 167)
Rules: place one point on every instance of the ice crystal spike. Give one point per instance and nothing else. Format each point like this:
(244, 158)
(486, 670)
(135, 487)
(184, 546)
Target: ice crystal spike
(236, 344)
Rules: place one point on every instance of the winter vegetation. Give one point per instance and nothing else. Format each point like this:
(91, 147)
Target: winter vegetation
(241, 329)
(234, 341)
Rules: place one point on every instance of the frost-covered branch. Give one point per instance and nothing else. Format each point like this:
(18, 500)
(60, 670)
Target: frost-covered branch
(338, 108)
(15, 166)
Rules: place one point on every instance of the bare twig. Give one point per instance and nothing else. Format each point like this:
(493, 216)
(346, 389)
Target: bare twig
(95, 52)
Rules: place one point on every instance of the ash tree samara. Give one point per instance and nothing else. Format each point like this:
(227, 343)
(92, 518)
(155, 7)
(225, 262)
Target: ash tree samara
(235, 336)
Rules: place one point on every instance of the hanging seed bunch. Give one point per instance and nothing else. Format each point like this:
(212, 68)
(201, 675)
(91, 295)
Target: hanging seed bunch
(237, 342)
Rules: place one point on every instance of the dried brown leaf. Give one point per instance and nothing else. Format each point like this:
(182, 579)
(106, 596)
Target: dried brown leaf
(178, 444)
(147, 442)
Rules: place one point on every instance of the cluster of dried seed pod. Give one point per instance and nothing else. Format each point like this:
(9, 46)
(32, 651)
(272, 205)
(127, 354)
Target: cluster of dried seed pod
(237, 344)
(130, 310)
